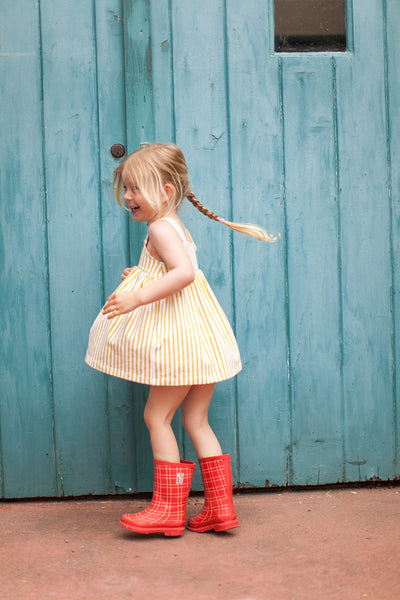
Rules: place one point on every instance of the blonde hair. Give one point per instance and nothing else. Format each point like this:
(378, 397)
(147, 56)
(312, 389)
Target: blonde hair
(150, 168)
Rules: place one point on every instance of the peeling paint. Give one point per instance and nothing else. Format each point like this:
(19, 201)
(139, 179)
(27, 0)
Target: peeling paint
(114, 14)
(216, 137)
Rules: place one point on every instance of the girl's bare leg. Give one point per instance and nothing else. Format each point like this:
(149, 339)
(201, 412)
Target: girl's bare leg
(162, 403)
(195, 420)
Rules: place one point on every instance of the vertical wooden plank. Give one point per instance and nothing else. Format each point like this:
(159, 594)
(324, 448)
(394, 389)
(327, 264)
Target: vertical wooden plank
(367, 322)
(202, 131)
(313, 274)
(162, 43)
(26, 409)
(140, 130)
(138, 73)
(138, 92)
(162, 40)
(149, 93)
(392, 26)
(114, 227)
(72, 170)
(254, 104)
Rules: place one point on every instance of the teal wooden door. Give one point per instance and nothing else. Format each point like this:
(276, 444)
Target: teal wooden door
(63, 107)
(305, 144)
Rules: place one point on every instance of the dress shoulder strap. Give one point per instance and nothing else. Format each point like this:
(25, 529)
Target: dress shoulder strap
(176, 226)
(187, 243)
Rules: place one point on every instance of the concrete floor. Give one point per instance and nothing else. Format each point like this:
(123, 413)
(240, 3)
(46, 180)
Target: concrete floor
(338, 544)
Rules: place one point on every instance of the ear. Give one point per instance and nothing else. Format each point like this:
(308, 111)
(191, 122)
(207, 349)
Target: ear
(169, 190)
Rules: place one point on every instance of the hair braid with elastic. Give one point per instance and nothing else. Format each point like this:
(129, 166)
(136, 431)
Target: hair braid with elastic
(243, 228)
(196, 203)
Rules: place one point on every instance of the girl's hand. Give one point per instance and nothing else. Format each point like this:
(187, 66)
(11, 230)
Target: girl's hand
(126, 272)
(119, 304)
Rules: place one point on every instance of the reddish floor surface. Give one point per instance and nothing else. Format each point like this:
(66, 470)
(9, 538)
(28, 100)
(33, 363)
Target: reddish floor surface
(341, 544)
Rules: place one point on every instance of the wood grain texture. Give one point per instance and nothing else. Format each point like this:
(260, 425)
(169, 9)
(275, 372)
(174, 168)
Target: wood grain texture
(366, 267)
(26, 394)
(202, 131)
(114, 230)
(140, 130)
(313, 272)
(259, 269)
(307, 145)
(71, 142)
(392, 20)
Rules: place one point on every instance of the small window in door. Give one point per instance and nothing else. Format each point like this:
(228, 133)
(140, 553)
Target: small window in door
(310, 25)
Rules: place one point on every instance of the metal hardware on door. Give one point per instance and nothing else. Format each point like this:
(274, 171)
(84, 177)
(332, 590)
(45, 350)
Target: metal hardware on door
(118, 150)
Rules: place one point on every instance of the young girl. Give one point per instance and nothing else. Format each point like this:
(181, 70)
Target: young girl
(164, 327)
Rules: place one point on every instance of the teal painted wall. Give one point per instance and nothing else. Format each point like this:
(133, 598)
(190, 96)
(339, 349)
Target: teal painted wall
(304, 144)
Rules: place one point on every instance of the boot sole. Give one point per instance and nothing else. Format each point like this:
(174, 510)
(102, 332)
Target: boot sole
(216, 526)
(168, 531)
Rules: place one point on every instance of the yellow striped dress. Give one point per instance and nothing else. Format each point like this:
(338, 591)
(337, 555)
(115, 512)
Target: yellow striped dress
(184, 339)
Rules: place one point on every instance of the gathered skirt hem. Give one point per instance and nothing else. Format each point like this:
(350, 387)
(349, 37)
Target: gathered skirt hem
(185, 379)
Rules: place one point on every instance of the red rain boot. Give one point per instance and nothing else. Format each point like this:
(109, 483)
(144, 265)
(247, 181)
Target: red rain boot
(167, 511)
(218, 512)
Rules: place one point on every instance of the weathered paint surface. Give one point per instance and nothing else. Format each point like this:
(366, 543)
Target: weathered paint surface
(307, 145)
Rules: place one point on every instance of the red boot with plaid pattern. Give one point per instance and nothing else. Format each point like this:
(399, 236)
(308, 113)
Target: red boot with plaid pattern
(167, 511)
(218, 512)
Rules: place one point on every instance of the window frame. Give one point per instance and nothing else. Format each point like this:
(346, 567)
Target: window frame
(348, 15)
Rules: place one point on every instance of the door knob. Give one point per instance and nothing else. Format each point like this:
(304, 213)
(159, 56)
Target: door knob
(118, 150)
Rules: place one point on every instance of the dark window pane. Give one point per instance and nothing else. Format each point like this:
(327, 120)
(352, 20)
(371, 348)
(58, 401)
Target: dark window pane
(310, 26)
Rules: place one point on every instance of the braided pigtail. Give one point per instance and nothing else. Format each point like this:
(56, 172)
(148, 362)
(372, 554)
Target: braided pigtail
(243, 228)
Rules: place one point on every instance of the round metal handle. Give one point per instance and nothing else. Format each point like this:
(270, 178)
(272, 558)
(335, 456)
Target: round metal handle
(118, 150)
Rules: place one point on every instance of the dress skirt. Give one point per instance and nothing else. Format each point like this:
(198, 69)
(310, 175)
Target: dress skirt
(184, 339)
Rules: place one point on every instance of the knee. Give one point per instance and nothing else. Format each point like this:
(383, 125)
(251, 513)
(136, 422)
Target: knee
(193, 421)
(147, 420)
(150, 419)
(155, 418)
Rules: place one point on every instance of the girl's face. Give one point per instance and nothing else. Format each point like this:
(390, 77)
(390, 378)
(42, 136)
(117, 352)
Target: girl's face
(139, 206)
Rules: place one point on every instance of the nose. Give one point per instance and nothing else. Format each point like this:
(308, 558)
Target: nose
(127, 195)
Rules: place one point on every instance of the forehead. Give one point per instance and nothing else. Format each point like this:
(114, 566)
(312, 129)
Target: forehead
(128, 177)
(133, 170)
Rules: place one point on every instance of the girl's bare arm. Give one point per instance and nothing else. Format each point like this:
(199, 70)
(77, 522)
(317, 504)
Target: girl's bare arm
(169, 248)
